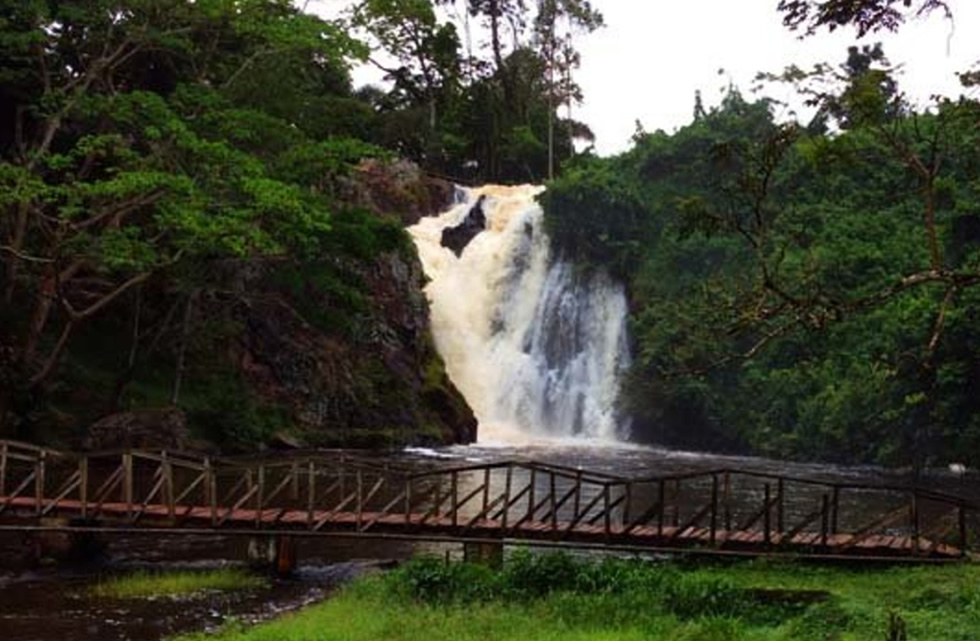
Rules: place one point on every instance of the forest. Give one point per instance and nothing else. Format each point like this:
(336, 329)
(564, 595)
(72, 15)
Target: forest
(799, 289)
(198, 209)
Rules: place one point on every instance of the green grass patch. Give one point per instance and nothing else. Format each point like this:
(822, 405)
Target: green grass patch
(148, 584)
(555, 596)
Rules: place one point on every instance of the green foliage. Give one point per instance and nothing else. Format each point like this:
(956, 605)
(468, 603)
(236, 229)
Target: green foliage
(149, 584)
(432, 580)
(153, 153)
(595, 217)
(227, 413)
(428, 599)
(794, 292)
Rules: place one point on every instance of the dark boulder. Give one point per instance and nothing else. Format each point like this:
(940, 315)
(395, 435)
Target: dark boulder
(458, 237)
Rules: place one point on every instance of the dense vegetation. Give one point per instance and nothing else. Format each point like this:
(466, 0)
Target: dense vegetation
(557, 597)
(177, 178)
(807, 290)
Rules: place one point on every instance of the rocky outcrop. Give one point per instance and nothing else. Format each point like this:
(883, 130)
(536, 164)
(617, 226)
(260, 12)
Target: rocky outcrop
(458, 237)
(381, 382)
(398, 188)
(157, 428)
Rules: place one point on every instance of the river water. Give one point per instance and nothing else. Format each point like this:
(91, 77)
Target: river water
(50, 603)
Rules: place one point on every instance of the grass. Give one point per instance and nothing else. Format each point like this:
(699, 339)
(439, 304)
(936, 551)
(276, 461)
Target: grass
(552, 597)
(146, 584)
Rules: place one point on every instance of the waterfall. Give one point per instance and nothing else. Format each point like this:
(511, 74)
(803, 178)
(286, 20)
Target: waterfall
(535, 346)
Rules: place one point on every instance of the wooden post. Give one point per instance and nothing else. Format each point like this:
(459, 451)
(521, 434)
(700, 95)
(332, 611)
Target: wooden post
(294, 482)
(606, 508)
(780, 521)
(285, 555)
(486, 491)
(39, 482)
(824, 509)
(3, 468)
(836, 510)
(168, 484)
(82, 485)
(914, 521)
(766, 515)
(127, 486)
(554, 504)
(627, 505)
(677, 503)
(310, 492)
(360, 497)
(662, 496)
(507, 487)
(714, 508)
(260, 495)
(454, 487)
(962, 527)
(530, 494)
(728, 501)
(408, 499)
(341, 473)
(210, 490)
(578, 493)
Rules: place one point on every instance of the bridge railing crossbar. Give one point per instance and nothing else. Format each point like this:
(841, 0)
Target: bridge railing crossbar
(506, 499)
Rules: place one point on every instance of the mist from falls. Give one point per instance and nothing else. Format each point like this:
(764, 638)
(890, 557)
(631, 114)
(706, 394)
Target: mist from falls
(535, 347)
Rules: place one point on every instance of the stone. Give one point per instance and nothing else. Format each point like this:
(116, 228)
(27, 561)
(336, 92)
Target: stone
(458, 237)
(153, 428)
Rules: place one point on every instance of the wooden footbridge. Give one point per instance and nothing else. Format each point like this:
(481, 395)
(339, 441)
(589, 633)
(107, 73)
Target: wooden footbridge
(722, 511)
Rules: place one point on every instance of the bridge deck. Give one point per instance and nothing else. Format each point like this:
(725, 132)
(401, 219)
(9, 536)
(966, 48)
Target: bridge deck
(879, 545)
(723, 511)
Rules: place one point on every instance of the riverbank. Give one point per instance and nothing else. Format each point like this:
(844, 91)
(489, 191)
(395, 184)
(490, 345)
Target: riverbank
(554, 596)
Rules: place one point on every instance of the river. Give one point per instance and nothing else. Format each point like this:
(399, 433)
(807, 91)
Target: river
(49, 603)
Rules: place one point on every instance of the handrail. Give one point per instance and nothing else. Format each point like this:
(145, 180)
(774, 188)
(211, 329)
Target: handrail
(198, 461)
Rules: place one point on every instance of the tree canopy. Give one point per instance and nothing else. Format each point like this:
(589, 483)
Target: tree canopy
(805, 290)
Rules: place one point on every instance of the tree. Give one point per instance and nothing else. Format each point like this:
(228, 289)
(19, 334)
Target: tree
(867, 16)
(561, 56)
(428, 51)
(122, 159)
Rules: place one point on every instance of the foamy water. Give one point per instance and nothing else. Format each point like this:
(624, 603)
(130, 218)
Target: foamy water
(534, 346)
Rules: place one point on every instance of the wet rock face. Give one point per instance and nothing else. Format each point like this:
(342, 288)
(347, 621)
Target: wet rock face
(458, 237)
(399, 189)
(382, 383)
(385, 387)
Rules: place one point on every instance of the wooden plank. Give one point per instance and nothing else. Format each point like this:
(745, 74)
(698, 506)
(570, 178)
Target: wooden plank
(885, 521)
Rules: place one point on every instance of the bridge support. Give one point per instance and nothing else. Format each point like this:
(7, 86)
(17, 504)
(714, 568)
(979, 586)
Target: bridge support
(483, 553)
(276, 553)
(64, 546)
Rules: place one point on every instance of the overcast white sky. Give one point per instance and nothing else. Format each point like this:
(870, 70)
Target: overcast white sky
(653, 54)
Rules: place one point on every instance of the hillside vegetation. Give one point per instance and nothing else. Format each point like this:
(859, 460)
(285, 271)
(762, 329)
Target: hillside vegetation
(807, 290)
(201, 219)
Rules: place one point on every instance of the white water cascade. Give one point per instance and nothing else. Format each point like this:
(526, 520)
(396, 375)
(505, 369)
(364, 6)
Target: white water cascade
(535, 347)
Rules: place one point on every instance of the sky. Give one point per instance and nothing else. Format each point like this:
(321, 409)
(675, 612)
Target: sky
(652, 56)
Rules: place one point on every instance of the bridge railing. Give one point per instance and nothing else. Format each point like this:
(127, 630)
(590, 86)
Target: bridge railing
(508, 499)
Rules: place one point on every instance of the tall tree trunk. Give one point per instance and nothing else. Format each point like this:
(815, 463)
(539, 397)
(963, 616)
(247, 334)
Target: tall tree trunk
(496, 13)
(16, 245)
(182, 350)
(46, 296)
